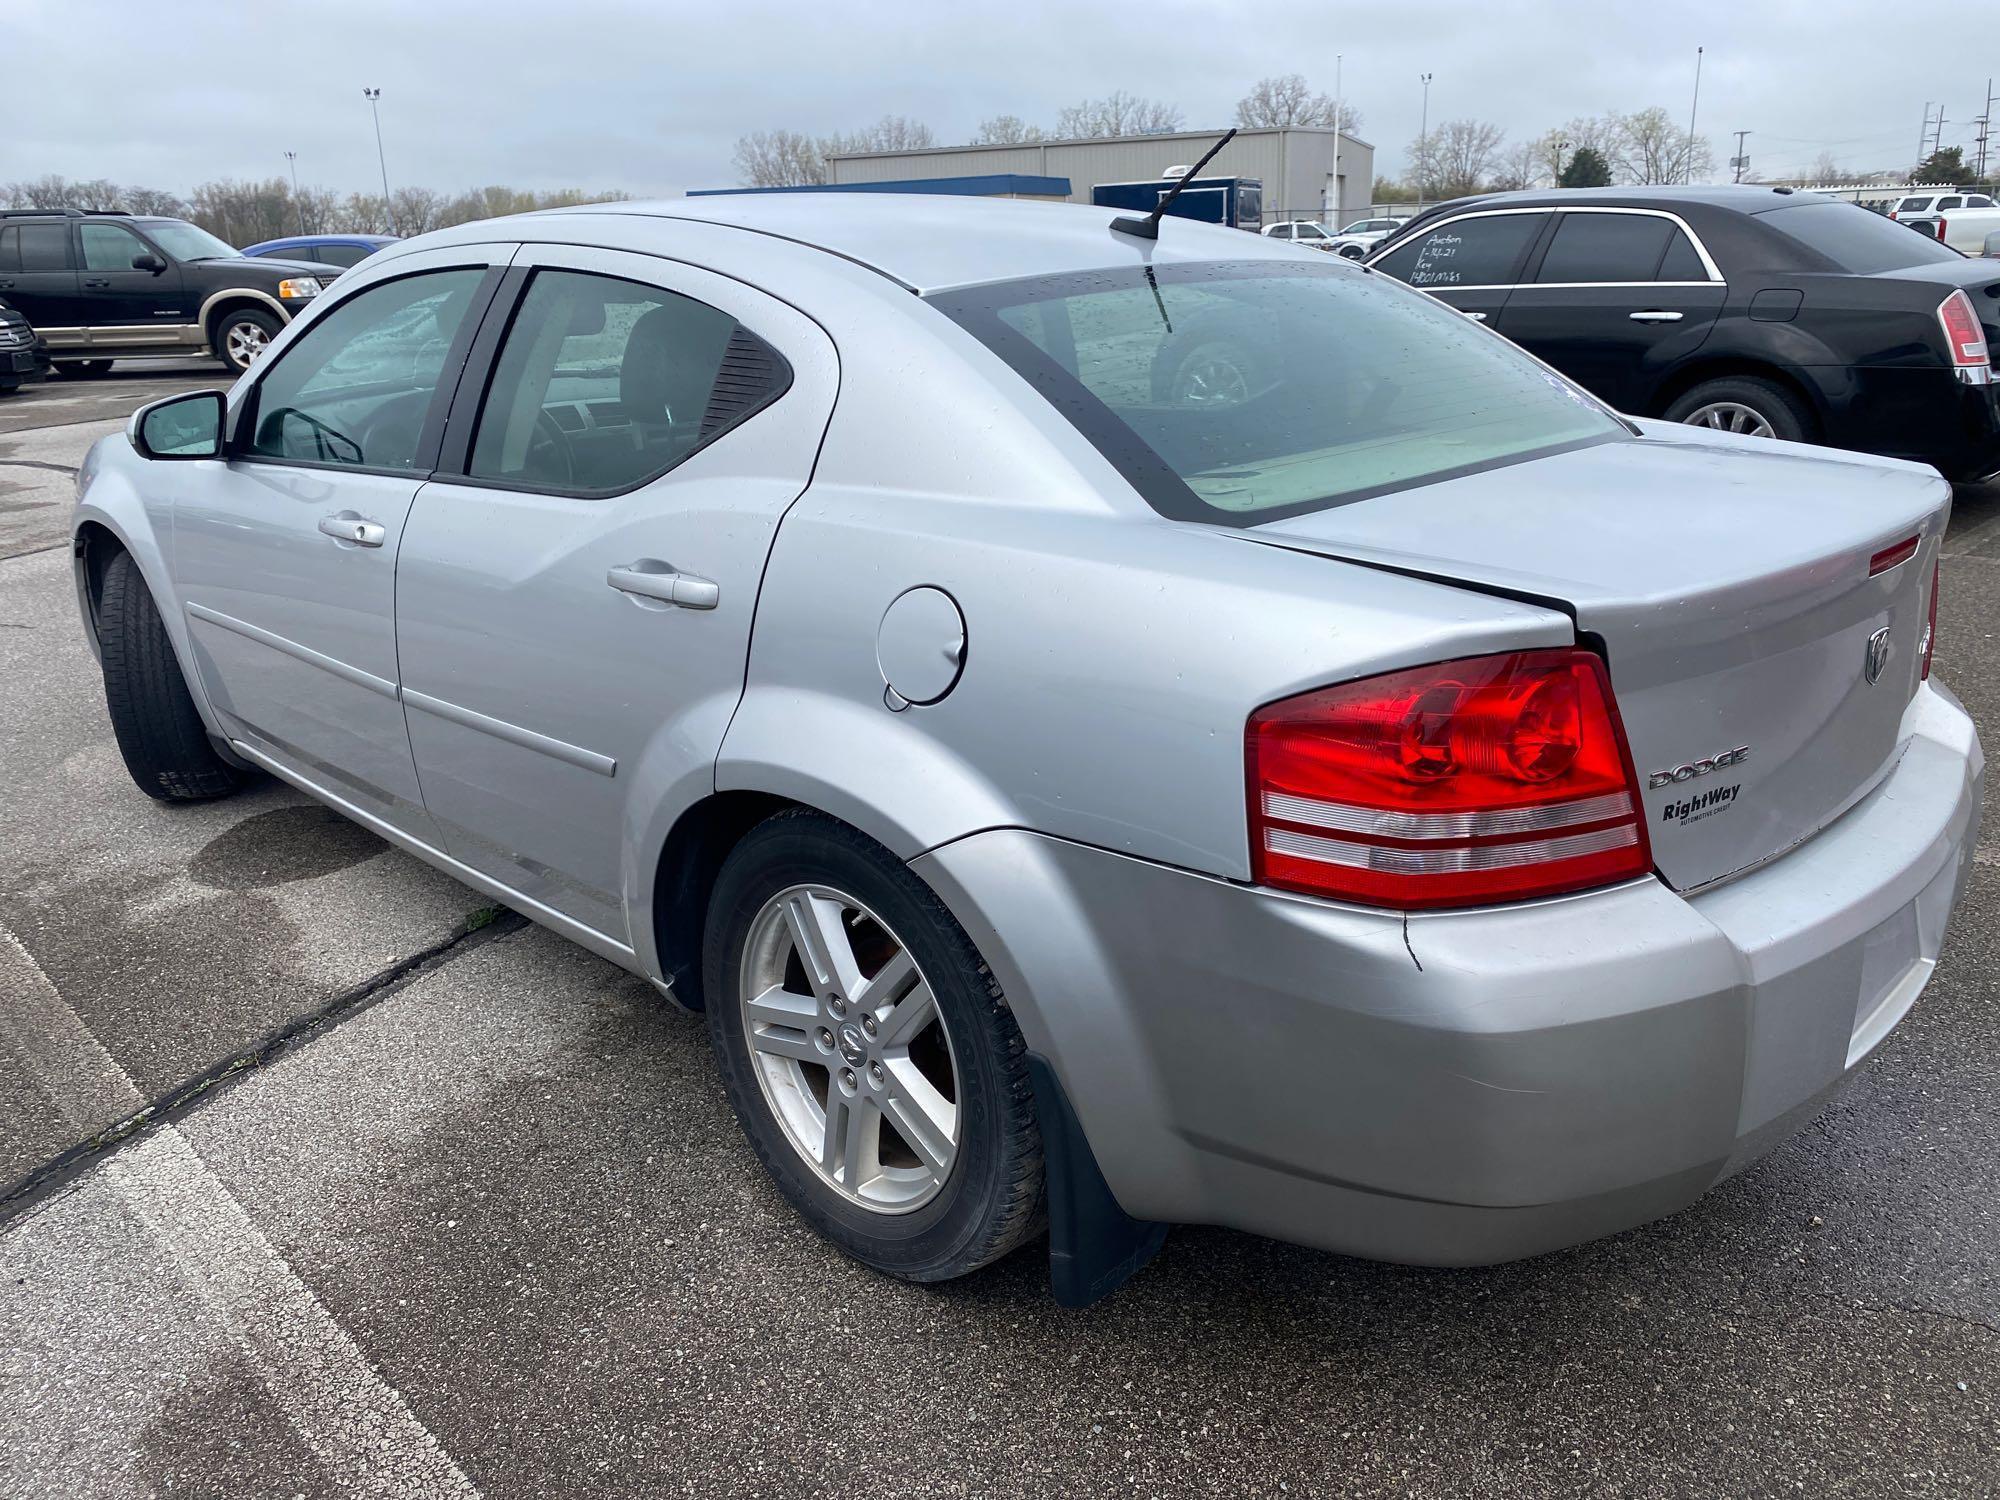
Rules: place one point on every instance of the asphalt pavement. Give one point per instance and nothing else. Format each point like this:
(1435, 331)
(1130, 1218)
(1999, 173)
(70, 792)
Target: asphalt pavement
(433, 1203)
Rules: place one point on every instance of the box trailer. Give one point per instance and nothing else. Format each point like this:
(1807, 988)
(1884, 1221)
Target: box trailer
(1235, 201)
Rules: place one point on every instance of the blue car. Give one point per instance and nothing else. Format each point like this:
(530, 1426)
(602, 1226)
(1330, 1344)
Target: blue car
(344, 250)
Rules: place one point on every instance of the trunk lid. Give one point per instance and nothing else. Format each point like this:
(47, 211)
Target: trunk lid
(1728, 582)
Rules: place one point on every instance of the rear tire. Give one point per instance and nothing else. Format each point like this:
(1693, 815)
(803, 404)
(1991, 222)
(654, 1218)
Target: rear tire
(10, 387)
(883, 1202)
(83, 369)
(242, 335)
(160, 733)
(1746, 404)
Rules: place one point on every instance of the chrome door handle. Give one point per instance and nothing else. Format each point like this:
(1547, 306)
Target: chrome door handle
(1654, 315)
(654, 582)
(348, 527)
(1476, 317)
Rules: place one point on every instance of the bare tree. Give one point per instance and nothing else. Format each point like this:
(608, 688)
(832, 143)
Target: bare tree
(1006, 130)
(1650, 148)
(1117, 113)
(243, 212)
(362, 213)
(1454, 159)
(1286, 100)
(145, 200)
(1825, 171)
(790, 158)
(1525, 166)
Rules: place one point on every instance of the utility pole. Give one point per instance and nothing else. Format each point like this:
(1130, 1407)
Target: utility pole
(1693, 105)
(1739, 160)
(1923, 136)
(374, 97)
(1937, 135)
(1985, 126)
(1424, 141)
(297, 203)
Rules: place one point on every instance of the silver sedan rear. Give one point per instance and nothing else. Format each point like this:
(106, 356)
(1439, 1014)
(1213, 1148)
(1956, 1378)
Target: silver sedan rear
(1112, 732)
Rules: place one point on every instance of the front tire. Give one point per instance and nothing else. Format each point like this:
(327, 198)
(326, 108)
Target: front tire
(83, 369)
(159, 730)
(242, 336)
(1748, 405)
(868, 1052)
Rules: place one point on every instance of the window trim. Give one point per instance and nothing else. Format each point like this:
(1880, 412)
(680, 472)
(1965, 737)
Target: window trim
(1715, 276)
(244, 419)
(461, 423)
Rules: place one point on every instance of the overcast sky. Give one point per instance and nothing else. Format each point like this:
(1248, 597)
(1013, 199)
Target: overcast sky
(649, 97)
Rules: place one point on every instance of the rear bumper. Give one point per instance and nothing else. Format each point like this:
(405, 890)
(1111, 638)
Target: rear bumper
(1921, 414)
(1466, 1087)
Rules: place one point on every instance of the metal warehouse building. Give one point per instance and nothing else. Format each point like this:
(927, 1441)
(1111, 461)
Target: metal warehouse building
(1294, 162)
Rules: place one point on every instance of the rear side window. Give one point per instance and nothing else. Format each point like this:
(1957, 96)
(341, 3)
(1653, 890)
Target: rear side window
(603, 384)
(1681, 263)
(36, 247)
(1914, 206)
(1606, 247)
(1483, 251)
(1240, 393)
(1945, 203)
(357, 387)
(1848, 238)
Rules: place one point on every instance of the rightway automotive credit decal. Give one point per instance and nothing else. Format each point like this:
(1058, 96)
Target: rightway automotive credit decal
(1701, 805)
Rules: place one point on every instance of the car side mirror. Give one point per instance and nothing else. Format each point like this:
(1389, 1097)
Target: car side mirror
(180, 427)
(148, 262)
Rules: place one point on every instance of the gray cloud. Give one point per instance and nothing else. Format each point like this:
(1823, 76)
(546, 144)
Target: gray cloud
(650, 97)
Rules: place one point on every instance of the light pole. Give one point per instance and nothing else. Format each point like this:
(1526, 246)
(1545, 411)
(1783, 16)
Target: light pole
(1692, 107)
(1424, 142)
(293, 158)
(374, 97)
(1561, 146)
(1340, 208)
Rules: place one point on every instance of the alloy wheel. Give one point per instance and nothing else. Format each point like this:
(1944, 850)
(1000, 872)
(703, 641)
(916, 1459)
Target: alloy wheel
(244, 342)
(1211, 380)
(850, 1049)
(1731, 416)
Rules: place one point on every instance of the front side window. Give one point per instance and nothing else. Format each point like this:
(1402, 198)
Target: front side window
(110, 247)
(1914, 206)
(1606, 247)
(357, 388)
(1978, 200)
(1483, 251)
(1311, 232)
(336, 255)
(1239, 393)
(603, 384)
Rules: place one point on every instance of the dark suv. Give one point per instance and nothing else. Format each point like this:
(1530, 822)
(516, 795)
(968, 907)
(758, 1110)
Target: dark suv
(98, 285)
(1754, 310)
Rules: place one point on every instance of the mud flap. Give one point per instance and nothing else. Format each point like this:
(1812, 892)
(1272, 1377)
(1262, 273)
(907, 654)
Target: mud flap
(1094, 1245)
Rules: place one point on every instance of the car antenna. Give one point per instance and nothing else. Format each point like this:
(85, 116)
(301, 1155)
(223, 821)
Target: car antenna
(1148, 228)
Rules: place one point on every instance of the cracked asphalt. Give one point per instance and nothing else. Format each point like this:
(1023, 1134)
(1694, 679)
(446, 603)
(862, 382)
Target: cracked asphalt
(459, 1209)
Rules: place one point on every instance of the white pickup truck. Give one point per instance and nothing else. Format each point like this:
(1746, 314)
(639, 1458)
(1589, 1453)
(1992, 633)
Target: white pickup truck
(1973, 230)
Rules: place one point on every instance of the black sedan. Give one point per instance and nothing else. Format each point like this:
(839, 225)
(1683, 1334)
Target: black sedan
(1752, 309)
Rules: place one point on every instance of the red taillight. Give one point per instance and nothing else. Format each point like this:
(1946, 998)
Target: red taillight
(1496, 778)
(1962, 334)
(1892, 557)
(1930, 625)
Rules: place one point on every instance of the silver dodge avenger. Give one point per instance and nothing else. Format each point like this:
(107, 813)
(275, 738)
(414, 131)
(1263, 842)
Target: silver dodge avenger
(1113, 729)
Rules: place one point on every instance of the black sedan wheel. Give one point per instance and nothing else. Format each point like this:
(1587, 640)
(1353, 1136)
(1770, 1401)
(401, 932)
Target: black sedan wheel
(1745, 404)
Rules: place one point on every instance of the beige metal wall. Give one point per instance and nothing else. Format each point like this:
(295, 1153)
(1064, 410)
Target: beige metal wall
(1294, 164)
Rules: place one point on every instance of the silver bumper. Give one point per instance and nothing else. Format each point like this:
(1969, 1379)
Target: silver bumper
(1466, 1087)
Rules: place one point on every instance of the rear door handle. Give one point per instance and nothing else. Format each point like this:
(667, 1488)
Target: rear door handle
(99, 281)
(1654, 315)
(653, 580)
(348, 527)
(1476, 317)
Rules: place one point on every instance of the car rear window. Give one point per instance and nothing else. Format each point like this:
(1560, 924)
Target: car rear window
(1241, 392)
(1852, 239)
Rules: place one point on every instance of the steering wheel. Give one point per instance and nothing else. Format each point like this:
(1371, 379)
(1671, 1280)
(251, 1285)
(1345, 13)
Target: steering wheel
(550, 453)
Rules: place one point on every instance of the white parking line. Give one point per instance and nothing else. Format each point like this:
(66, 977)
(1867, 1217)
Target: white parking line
(362, 1431)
